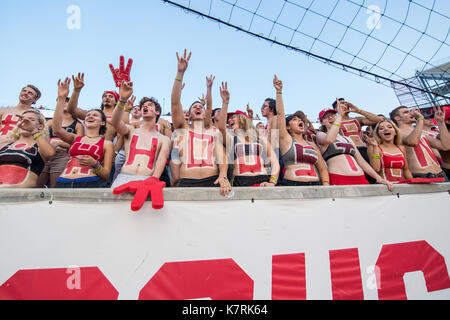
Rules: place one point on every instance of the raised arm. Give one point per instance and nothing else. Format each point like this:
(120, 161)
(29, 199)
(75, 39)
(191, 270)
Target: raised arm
(331, 135)
(209, 84)
(63, 92)
(72, 106)
(281, 119)
(413, 138)
(222, 124)
(176, 106)
(125, 92)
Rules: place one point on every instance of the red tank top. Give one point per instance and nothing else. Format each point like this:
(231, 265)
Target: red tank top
(393, 161)
(94, 150)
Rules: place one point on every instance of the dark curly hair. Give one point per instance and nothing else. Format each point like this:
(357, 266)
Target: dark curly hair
(155, 102)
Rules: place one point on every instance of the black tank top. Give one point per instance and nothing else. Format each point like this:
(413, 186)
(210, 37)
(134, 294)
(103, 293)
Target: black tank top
(28, 158)
(70, 128)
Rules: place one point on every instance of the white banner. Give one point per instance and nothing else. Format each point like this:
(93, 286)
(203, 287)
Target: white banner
(377, 247)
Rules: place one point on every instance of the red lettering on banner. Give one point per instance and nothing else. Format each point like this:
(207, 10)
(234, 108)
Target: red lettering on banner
(420, 150)
(346, 283)
(217, 279)
(224, 279)
(206, 156)
(87, 283)
(397, 259)
(254, 153)
(135, 151)
(288, 277)
(73, 167)
(8, 124)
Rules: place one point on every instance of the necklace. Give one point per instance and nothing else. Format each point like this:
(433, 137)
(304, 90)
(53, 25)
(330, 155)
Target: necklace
(93, 137)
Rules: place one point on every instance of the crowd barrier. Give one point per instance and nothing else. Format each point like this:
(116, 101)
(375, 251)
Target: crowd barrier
(316, 243)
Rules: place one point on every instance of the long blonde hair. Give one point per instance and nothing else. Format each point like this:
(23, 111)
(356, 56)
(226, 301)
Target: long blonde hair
(15, 133)
(397, 139)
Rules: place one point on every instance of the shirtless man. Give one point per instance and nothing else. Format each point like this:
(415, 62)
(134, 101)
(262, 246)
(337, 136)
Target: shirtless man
(28, 96)
(199, 151)
(421, 159)
(146, 150)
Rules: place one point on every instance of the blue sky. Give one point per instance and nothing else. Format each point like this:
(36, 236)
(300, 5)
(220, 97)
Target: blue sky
(39, 48)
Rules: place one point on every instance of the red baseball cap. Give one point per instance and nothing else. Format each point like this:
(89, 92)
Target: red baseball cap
(324, 112)
(229, 114)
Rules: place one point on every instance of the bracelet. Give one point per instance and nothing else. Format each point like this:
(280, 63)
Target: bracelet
(177, 79)
(120, 105)
(337, 124)
(421, 118)
(98, 164)
(376, 156)
(358, 111)
(37, 135)
(273, 178)
(279, 92)
(98, 169)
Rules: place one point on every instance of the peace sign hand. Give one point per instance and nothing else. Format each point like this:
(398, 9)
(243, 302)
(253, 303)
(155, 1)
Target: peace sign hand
(224, 93)
(122, 73)
(439, 114)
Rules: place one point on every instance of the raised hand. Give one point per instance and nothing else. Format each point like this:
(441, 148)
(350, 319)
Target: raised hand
(142, 189)
(224, 93)
(78, 81)
(439, 114)
(340, 107)
(277, 83)
(351, 107)
(210, 81)
(63, 88)
(130, 103)
(416, 113)
(126, 90)
(122, 73)
(249, 111)
(183, 61)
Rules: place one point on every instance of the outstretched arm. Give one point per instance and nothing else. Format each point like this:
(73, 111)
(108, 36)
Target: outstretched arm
(125, 91)
(176, 107)
(281, 119)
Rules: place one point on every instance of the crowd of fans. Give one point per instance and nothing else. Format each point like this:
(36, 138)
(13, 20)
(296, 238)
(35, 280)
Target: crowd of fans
(124, 141)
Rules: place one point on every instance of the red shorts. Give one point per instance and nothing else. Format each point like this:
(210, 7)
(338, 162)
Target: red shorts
(337, 179)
